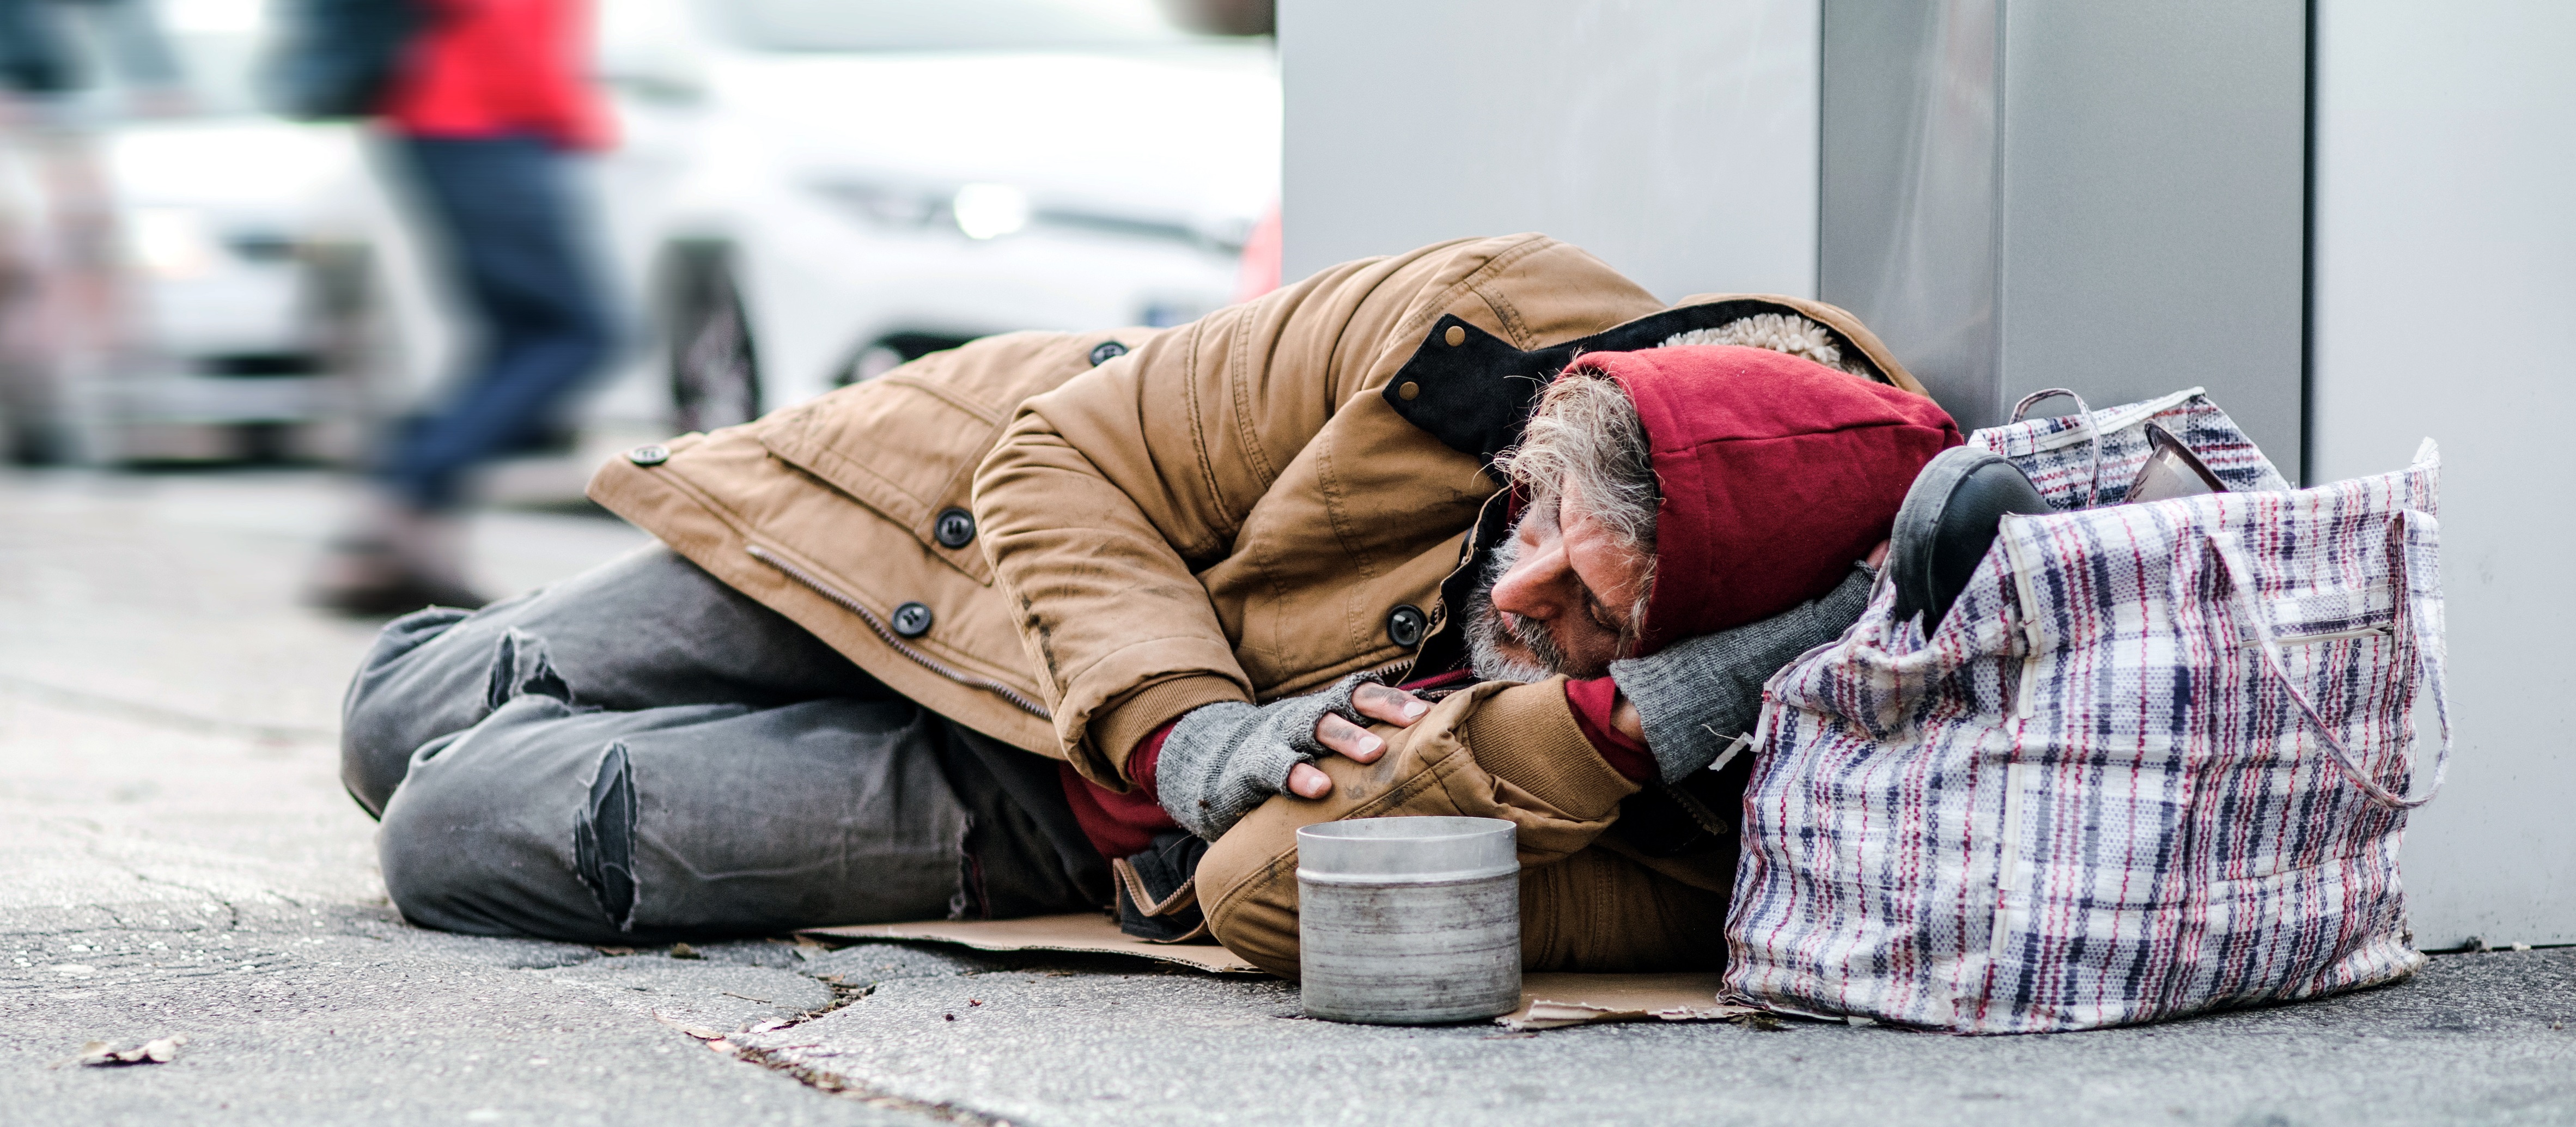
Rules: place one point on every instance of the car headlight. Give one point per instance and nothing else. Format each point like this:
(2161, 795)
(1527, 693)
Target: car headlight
(171, 243)
(980, 211)
(989, 211)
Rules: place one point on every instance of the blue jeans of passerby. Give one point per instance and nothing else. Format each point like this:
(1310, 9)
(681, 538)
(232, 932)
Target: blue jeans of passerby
(515, 242)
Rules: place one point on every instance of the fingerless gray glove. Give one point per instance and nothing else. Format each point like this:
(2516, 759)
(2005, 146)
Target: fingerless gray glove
(1222, 760)
(1695, 696)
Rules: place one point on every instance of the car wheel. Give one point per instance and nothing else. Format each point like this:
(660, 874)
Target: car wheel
(715, 373)
(892, 351)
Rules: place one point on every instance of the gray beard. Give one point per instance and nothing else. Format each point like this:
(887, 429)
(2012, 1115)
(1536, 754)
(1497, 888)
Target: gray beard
(1488, 629)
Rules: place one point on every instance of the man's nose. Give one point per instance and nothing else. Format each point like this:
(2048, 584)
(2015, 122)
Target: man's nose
(1525, 588)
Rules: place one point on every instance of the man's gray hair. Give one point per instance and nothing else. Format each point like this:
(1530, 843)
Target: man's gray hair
(1585, 434)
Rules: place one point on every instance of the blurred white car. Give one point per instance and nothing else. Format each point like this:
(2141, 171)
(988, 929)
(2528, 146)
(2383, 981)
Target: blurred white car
(196, 331)
(806, 193)
(809, 192)
(225, 346)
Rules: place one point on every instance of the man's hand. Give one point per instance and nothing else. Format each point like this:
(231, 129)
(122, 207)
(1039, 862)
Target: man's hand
(1352, 742)
(1221, 760)
(1632, 723)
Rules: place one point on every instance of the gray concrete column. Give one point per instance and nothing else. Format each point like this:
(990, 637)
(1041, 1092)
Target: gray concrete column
(2019, 194)
(1675, 139)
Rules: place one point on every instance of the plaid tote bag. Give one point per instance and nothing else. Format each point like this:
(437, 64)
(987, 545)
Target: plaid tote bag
(2154, 761)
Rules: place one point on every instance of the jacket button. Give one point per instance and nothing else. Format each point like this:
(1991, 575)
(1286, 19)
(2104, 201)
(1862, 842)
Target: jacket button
(954, 528)
(652, 455)
(912, 620)
(1455, 336)
(1408, 390)
(1404, 625)
(1106, 351)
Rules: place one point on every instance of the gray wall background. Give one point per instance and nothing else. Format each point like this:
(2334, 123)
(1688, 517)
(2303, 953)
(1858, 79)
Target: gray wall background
(2445, 301)
(1909, 121)
(1679, 139)
(2022, 194)
(1675, 140)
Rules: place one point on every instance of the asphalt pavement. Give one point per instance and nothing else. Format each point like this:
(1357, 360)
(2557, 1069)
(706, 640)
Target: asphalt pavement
(177, 860)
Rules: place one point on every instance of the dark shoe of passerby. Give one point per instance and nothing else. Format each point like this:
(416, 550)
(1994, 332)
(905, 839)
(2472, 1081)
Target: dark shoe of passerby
(367, 580)
(395, 560)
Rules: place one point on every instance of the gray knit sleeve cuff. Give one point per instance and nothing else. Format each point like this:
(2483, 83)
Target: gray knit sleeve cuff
(1224, 759)
(1695, 696)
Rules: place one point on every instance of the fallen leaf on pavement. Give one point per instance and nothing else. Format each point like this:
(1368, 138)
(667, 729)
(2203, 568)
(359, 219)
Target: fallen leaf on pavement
(698, 1031)
(684, 951)
(162, 1050)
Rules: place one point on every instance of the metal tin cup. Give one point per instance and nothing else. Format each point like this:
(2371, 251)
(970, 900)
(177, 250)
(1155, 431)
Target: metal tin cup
(1409, 921)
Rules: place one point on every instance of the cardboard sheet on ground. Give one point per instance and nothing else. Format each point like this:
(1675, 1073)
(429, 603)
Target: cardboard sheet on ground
(1080, 931)
(1548, 1001)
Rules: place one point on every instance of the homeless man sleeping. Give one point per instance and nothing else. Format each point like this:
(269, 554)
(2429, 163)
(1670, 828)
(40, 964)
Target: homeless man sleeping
(1024, 627)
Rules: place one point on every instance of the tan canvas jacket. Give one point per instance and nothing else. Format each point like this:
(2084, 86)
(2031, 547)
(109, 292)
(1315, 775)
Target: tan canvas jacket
(1066, 540)
(831, 513)
(1242, 507)
(1231, 509)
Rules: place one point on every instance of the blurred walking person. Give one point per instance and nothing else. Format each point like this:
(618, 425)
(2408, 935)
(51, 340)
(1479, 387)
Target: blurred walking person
(486, 101)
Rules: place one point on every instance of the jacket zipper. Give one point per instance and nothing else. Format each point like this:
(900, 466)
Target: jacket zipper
(890, 638)
(1469, 555)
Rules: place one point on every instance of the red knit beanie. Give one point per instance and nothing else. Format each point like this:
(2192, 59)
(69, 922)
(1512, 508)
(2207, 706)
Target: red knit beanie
(1776, 473)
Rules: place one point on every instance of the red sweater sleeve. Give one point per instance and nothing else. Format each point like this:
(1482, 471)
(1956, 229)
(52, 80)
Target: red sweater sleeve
(1122, 825)
(1593, 701)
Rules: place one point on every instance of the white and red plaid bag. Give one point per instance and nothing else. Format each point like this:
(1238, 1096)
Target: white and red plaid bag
(2151, 763)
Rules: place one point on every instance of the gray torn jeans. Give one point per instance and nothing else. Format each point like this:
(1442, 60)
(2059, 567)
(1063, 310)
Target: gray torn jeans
(641, 754)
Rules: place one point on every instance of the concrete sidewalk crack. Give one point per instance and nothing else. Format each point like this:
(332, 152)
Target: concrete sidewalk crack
(101, 704)
(232, 912)
(833, 1083)
(836, 1084)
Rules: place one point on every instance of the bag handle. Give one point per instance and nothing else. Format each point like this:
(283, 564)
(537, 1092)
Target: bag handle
(2083, 411)
(2428, 663)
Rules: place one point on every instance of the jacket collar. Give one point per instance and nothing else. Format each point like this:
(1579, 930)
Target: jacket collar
(1473, 390)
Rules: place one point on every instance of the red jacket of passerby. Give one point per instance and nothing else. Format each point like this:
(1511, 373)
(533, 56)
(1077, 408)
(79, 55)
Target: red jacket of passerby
(492, 68)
